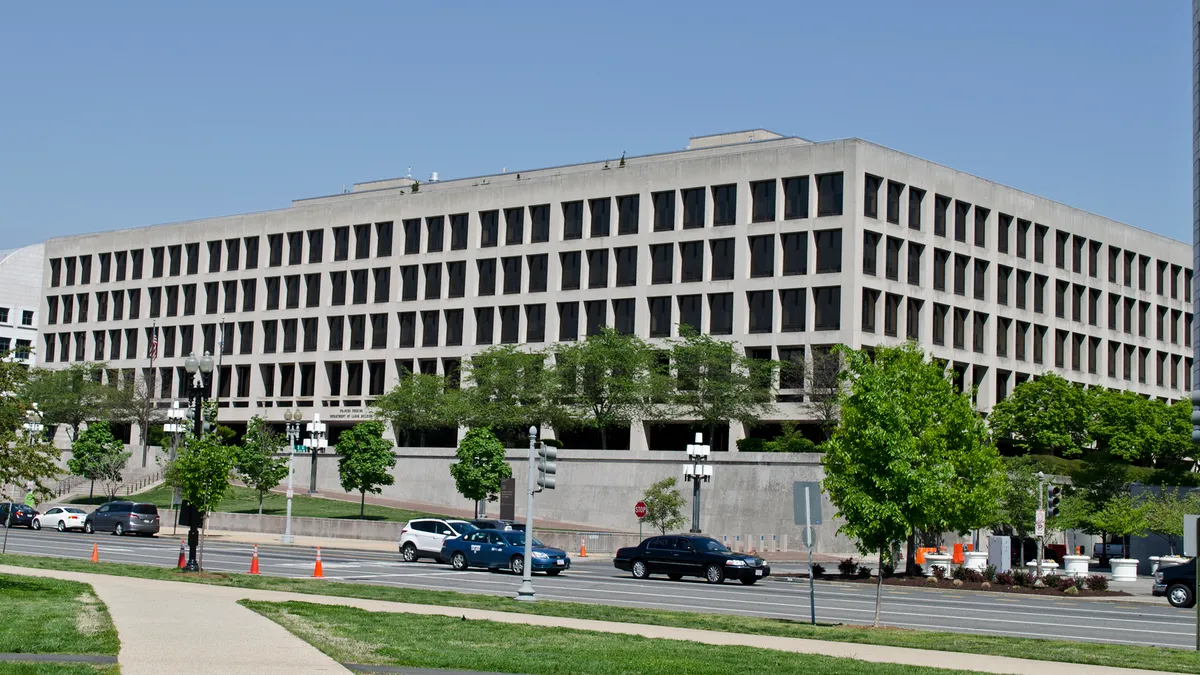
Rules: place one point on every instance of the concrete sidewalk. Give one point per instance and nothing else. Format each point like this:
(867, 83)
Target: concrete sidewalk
(169, 627)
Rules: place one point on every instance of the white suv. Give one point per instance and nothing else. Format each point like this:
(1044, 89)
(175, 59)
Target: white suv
(423, 538)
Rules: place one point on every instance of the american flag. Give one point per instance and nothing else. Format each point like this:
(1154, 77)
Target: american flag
(154, 343)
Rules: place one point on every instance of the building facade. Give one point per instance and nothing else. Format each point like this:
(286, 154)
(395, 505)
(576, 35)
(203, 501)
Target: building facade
(21, 298)
(783, 245)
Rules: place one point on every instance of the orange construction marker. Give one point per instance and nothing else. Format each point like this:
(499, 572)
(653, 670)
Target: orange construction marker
(582, 547)
(95, 552)
(318, 572)
(254, 561)
(182, 556)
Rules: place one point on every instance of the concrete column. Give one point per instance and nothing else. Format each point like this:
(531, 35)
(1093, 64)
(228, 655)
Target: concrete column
(737, 431)
(638, 442)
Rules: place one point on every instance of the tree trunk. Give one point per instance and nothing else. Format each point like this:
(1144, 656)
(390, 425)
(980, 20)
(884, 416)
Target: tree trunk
(362, 504)
(92, 490)
(879, 590)
(712, 436)
(203, 530)
(422, 438)
(260, 500)
(910, 555)
(603, 438)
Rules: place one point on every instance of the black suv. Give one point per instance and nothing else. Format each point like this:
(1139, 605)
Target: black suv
(22, 515)
(1178, 583)
(686, 555)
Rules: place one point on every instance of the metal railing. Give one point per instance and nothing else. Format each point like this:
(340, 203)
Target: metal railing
(137, 485)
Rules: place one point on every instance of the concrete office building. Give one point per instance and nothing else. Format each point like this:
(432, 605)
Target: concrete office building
(778, 243)
(20, 299)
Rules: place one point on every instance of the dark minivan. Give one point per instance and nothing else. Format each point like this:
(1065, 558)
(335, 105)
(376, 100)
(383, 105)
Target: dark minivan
(122, 517)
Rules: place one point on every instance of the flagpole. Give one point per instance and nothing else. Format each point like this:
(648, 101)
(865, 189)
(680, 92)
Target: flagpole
(149, 393)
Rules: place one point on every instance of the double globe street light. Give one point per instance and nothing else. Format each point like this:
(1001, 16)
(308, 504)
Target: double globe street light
(697, 471)
(200, 369)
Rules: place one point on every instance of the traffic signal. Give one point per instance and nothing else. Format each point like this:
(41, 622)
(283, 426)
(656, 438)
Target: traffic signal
(1055, 496)
(546, 468)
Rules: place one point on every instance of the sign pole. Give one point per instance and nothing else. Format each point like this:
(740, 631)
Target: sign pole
(812, 597)
(640, 511)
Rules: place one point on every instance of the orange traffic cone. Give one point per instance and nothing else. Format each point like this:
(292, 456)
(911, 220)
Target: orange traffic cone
(582, 547)
(318, 572)
(182, 556)
(254, 562)
(95, 552)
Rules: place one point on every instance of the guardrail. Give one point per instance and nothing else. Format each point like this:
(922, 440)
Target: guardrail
(137, 485)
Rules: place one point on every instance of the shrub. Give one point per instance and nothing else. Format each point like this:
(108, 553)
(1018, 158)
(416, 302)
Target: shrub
(791, 440)
(1072, 590)
(1065, 583)
(932, 581)
(974, 576)
(918, 570)
(553, 442)
(1097, 582)
(959, 573)
(888, 570)
(1004, 578)
(1051, 580)
(864, 571)
(818, 570)
(750, 444)
(1080, 582)
(989, 573)
(847, 567)
(939, 572)
(1022, 578)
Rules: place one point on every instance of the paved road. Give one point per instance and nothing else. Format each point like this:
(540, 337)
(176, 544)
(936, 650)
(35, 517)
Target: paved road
(596, 581)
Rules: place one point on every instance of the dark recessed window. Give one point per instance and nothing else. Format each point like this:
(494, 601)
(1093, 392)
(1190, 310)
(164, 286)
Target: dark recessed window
(570, 262)
(626, 265)
(795, 253)
(829, 194)
(829, 251)
(623, 316)
(962, 211)
(870, 252)
(795, 198)
(459, 231)
(568, 321)
(981, 216)
(762, 256)
(660, 316)
(487, 276)
(941, 207)
(600, 210)
(572, 220)
(827, 306)
(539, 222)
(662, 263)
(724, 204)
(538, 272)
(691, 255)
(514, 227)
(597, 260)
(435, 228)
(720, 313)
(383, 239)
(693, 208)
(596, 316)
(664, 211)
(792, 303)
(723, 259)
(760, 305)
(894, 192)
(412, 237)
(489, 228)
(871, 185)
(690, 311)
(628, 212)
(762, 194)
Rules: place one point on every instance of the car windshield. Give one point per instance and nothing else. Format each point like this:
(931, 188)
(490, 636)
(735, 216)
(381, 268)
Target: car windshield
(517, 538)
(709, 546)
(463, 527)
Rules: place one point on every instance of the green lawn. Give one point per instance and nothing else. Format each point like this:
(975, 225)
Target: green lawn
(1152, 658)
(51, 616)
(352, 635)
(245, 500)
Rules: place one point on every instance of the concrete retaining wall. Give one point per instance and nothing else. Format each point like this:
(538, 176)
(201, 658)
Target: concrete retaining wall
(749, 496)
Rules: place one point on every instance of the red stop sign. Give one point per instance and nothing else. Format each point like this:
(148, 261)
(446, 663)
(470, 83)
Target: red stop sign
(639, 509)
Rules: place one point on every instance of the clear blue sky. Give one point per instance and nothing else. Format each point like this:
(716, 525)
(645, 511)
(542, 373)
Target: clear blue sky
(124, 114)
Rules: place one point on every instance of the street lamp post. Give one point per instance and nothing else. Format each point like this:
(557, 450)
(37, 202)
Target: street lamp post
(176, 427)
(293, 433)
(697, 471)
(316, 443)
(199, 369)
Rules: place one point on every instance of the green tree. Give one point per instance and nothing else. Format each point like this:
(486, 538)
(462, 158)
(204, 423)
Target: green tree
(608, 380)
(201, 472)
(366, 461)
(1165, 512)
(134, 403)
(419, 403)
(98, 456)
(480, 467)
(716, 383)
(23, 458)
(70, 396)
(509, 390)
(664, 505)
(1048, 415)
(1123, 516)
(1126, 425)
(257, 462)
(910, 454)
(1019, 500)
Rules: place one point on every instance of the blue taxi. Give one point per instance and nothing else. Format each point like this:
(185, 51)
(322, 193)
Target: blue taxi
(495, 550)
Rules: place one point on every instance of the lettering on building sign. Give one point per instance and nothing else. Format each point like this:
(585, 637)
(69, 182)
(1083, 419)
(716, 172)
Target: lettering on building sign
(348, 414)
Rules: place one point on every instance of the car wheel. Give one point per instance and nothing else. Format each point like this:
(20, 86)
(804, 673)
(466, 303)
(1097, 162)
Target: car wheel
(640, 570)
(36, 524)
(89, 527)
(409, 552)
(119, 530)
(1180, 595)
(458, 561)
(517, 564)
(61, 527)
(674, 577)
(749, 581)
(714, 574)
(553, 573)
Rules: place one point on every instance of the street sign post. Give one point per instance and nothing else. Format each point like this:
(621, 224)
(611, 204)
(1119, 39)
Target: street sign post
(1039, 527)
(806, 498)
(639, 510)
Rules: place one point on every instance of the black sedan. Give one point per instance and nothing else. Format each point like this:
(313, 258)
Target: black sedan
(1178, 583)
(689, 555)
(22, 515)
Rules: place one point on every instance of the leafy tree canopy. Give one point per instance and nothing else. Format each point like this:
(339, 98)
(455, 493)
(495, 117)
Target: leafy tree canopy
(480, 467)
(366, 460)
(201, 470)
(256, 460)
(70, 396)
(664, 505)
(1048, 415)
(509, 390)
(97, 455)
(419, 403)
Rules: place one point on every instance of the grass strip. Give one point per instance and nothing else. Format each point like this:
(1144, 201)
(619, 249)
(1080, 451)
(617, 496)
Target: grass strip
(245, 500)
(51, 616)
(17, 668)
(1126, 656)
(352, 635)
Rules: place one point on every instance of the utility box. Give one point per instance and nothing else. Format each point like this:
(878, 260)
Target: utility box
(1000, 552)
